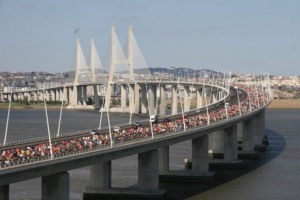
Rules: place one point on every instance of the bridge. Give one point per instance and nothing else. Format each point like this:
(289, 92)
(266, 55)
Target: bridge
(227, 112)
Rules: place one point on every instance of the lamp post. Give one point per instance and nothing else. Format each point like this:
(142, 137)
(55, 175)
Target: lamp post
(238, 96)
(207, 113)
(226, 110)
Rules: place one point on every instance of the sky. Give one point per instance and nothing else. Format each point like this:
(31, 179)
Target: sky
(255, 36)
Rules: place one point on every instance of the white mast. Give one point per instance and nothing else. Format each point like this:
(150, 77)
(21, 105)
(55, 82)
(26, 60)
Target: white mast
(8, 113)
(130, 52)
(205, 98)
(60, 114)
(182, 112)
(49, 135)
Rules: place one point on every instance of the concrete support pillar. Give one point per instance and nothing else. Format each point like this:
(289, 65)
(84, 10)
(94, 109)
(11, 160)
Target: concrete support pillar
(102, 90)
(84, 95)
(263, 123)
(40, 96)
(230, 143)
(174, 99)
(162, 107)
(248, 138)
(79, 95)
(136, 99)
(199, 98)
(61, 94)
(96, 97)
(131, 98)
(259, 134)
(186, 98)
(100, 177)
(220, 95)
(152, 99)
(28, 94)
(54, 95)
(10, 97)
(214, 98)
(55, 187)
(4, 192)
(148, 176)
(144, 99)
(200, 155)
(73, 96)
(69, 95)
(1, 97)
(164, 157)
(218, 141)
(240, 131)
(34, 94)
(123, 97)
(47, 95)
(108, 96)
(15, 96)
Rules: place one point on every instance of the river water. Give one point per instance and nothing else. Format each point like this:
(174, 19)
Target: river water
(275, 175)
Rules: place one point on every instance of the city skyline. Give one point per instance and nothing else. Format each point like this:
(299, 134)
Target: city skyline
(256, 36)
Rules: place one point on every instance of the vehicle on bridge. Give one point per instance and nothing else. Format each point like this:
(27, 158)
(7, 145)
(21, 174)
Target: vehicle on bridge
(95, 132)
(154, 118)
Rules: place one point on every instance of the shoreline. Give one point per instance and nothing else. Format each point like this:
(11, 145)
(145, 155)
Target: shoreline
(275, 104)
(284, 104)
(32, 107)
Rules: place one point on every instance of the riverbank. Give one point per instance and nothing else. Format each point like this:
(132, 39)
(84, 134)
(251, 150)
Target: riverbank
(35, 106)
(285, 104)
(275, 104)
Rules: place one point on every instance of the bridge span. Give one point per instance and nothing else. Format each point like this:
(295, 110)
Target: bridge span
(234, 114)
(229, 112)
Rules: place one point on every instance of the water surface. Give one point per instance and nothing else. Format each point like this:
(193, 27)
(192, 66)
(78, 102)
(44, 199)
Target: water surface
(275, 175)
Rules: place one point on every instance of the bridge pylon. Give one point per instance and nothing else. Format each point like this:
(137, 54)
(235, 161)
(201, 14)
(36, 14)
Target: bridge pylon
(73, 90)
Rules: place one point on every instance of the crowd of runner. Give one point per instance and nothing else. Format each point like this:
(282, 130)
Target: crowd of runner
(20, 155)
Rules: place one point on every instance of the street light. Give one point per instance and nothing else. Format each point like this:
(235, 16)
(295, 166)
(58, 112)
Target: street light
(226, 110)
(238, 95)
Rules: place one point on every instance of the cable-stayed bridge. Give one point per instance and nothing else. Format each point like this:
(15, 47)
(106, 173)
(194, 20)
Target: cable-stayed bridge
(230, 112)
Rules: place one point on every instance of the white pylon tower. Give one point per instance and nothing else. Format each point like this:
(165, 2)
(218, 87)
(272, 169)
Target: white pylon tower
(129, 56)
(119, 65)
(95, 64)
(122, 67)
(92, 59)
(78, 61)
(73, 100)
(138, 67)
(112, 55)
(116, 57)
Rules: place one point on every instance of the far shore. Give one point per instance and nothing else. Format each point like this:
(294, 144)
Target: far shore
(275, 104)
(285, 104)
(40, 106)
(31, 107)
